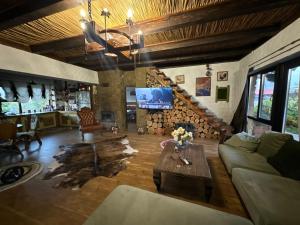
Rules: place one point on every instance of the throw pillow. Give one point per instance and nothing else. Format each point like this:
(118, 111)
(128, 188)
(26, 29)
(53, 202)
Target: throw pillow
(286, 161)
(243, 141)
(271, 142)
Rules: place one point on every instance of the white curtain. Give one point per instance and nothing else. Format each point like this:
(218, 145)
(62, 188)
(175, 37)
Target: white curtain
(37, 92)
(23, 92)
(8, 93)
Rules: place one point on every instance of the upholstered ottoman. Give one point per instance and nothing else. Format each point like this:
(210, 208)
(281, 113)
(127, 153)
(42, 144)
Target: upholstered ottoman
(132, 206)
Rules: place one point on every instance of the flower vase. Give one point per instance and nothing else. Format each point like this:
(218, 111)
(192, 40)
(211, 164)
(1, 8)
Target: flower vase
(182, 146)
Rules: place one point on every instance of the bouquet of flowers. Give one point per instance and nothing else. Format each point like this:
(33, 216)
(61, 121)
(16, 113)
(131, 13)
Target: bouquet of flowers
(181, 136)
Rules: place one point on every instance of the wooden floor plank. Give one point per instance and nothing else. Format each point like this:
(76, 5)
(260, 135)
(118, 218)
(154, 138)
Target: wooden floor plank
(37, 202)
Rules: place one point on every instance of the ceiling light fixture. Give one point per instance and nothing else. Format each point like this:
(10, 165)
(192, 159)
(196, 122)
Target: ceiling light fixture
(208, 70)
(111, 50)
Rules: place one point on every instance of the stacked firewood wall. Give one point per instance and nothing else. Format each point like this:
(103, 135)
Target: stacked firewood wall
(163, 122)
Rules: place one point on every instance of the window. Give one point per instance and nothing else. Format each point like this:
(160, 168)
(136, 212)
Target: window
(266, 100)
(10, 108)
(292, 103)
(260, 101)
(34, 105)
(253, 95)
(273, 99)
(2, 93)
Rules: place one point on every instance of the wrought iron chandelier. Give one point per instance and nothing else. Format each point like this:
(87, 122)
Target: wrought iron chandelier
(93, 34)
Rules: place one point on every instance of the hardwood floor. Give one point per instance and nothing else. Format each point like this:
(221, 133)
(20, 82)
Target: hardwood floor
(37, 202)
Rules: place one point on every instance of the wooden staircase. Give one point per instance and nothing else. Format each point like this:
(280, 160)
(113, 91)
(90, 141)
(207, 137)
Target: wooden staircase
(206, 123)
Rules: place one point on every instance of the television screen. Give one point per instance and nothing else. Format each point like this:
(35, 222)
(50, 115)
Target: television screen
(154, 98)
(10, 108)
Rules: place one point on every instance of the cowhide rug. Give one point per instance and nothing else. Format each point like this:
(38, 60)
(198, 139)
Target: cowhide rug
(78, 163)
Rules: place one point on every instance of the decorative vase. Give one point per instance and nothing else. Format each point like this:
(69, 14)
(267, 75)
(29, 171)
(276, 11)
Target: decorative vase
(182, 146)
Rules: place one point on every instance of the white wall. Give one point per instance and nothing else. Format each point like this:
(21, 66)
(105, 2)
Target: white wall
(221, 109)
(278, 48)
(12, 59)
(282, 45)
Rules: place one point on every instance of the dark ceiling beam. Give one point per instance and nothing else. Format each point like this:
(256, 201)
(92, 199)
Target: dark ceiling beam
(225, 10)
(58, 45)
(251, 35)
(261, 32)
(178, 60)
(15, 45)
(31, 10)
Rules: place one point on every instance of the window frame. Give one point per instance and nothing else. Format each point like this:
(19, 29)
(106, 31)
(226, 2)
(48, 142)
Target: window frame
(260, 74)
(279, 94)
(286, 67)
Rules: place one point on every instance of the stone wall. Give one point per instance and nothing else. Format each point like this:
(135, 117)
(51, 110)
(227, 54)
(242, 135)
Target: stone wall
(111, 93)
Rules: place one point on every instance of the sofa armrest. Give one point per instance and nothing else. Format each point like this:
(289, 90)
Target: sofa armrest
(225, 134)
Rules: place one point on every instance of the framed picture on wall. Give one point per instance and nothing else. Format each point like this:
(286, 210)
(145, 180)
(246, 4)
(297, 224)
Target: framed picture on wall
(203, 86)
(179, 79)
(222, 93)
(222, 76)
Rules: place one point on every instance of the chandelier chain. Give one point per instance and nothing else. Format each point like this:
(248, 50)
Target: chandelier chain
(90, 9)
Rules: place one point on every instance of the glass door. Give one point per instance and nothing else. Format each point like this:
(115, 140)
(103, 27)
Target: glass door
(292, 103)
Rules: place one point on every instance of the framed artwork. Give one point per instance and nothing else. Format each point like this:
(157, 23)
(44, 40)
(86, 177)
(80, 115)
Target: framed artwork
(222, 76)
(222, 93)
(203, 86)
(179, 79)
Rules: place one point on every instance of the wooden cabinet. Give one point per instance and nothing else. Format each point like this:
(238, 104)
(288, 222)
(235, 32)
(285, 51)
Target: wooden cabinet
(68, 119)
(46, 120)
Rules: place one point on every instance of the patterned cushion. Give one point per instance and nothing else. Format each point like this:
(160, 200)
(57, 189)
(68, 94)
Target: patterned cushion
(87, 117)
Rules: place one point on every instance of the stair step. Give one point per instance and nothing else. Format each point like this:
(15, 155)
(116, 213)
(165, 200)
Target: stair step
(179, 90)
(202, 108)
(195, 102)
(167, 78)
(173, 85)
(187, 96)
(161, 73)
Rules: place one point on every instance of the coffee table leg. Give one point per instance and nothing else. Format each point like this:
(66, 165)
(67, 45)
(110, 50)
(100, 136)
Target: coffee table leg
(208, 191)
(157, 179)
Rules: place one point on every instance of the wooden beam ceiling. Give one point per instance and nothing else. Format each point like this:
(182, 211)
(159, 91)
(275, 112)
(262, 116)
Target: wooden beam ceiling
(30, 10)
(163, 53)
(214, 39)
(227, 9)
(221, 55)
(254, 35)
(58, 45)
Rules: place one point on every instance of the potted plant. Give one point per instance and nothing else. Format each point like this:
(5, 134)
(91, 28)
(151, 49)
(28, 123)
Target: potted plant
(182, 137)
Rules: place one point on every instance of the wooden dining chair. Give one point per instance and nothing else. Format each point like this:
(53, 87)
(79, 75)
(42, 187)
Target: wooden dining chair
(8, 133)
(31, 134)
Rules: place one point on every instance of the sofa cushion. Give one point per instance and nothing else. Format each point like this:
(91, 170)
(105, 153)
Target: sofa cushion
(243, 141)
(236, 158)
(271, 142)
(269, 199)
(132, 206)
(287, 160)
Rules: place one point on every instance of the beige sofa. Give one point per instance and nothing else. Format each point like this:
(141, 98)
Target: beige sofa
(132, 206)
(269, 198)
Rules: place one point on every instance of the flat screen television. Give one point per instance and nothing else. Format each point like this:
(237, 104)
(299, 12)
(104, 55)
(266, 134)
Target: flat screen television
(154, 98)
(10, 108)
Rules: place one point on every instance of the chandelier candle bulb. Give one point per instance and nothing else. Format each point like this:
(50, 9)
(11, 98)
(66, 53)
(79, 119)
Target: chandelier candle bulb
(82, 13)
(129, 14)
(82, 25)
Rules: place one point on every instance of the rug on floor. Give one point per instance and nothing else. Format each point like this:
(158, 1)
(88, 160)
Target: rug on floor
(78, 163)
(18, 173)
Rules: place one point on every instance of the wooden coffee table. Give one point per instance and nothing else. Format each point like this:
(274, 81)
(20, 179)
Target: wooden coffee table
(170, 163)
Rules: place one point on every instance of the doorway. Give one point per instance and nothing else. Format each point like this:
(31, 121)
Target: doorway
(131, 109)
